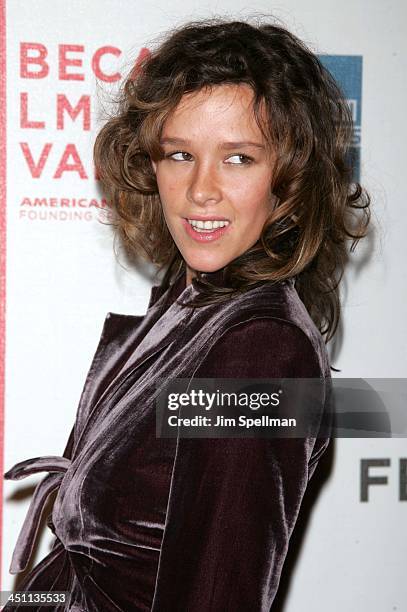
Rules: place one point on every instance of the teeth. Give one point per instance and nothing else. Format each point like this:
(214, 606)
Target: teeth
(208, 226)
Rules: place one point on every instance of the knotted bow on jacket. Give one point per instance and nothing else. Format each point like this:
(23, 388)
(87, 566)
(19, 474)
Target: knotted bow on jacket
(56, 466)
(134, 354)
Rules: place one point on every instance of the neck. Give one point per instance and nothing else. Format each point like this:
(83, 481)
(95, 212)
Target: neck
(190, 274)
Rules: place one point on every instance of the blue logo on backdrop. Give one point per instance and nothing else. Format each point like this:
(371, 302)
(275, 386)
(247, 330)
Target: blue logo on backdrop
(347, 71)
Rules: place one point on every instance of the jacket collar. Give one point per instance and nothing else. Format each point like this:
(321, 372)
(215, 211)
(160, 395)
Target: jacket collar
(179, 285)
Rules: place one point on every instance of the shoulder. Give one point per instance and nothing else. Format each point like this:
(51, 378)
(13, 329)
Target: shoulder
(261, 347)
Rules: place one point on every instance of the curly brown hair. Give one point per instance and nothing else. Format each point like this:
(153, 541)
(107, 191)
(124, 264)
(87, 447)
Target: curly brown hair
(319, 206)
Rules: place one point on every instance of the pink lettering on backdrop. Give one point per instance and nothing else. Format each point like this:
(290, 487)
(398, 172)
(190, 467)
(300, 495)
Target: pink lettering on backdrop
(75, 166)
(137, 66)
(35, 168)
(83, 106)
(34, 65)
(65, 62)
(3, 244)
(108, 78)
(26, 123)
(33, 54)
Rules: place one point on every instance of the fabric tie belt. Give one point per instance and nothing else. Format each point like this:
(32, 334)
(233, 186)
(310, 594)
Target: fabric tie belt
(57, 466)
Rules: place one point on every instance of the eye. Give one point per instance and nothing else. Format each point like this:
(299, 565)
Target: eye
(244, 159)
(181, 154)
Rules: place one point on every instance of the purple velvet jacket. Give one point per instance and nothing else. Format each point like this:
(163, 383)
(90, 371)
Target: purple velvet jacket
(175, 525)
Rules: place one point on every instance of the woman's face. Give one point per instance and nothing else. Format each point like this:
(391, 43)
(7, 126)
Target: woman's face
(214, 180)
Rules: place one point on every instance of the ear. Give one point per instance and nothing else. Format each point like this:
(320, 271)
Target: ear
(154, 164)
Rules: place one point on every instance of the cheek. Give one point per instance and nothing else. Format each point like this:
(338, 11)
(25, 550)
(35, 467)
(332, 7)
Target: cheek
(255, 207)
(171, 215)
(167, 186)
(255, 190)
(168, 191)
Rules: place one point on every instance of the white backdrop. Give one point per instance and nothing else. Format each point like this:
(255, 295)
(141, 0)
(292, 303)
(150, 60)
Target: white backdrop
(62, 276)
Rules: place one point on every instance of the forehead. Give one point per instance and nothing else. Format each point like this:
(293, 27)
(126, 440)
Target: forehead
(220, 106)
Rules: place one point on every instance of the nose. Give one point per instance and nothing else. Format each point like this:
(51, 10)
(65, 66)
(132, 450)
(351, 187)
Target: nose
(204, 185)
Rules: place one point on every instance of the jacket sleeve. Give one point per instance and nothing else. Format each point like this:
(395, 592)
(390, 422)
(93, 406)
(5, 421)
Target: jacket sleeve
(68, 454)
(234, 502)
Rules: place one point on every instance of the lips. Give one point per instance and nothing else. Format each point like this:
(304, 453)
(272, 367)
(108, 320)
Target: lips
(206, 236)
(208, 225)
(207, 218)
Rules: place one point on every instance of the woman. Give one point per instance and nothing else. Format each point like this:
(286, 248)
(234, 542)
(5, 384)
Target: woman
(226, 167)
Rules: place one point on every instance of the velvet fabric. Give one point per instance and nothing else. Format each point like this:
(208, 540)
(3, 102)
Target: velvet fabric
(175, 525)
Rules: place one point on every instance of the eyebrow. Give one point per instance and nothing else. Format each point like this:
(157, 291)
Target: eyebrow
(222, 145)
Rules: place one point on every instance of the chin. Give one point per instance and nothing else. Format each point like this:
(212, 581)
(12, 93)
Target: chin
(206, 266)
